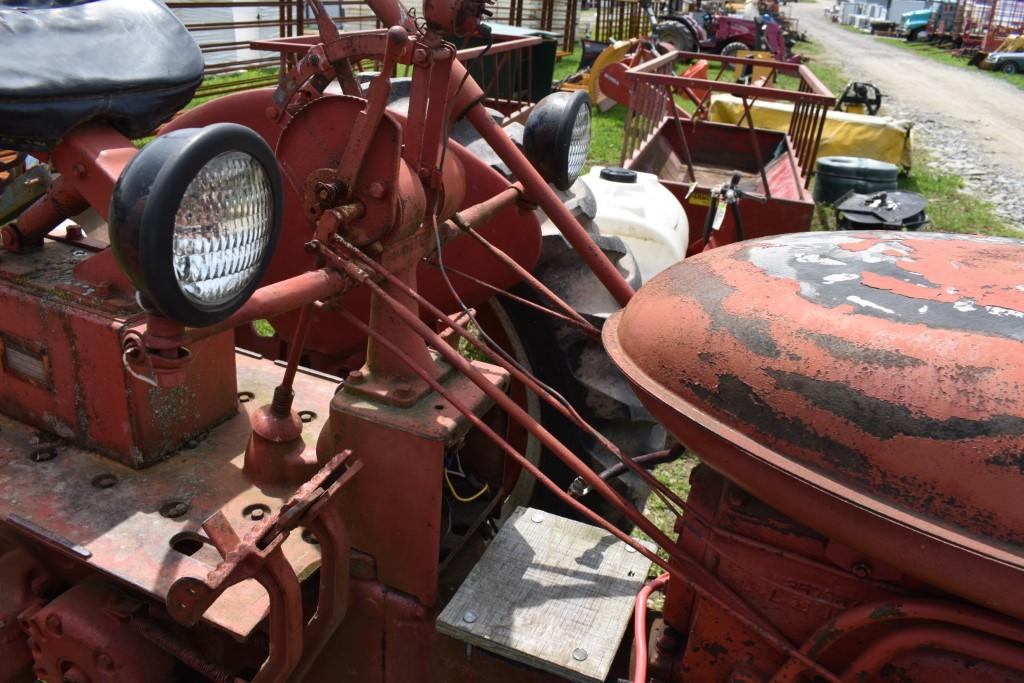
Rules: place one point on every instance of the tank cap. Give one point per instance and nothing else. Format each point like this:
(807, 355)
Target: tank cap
(616, 174)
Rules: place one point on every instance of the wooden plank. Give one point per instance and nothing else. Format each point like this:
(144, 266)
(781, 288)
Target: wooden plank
(549, 592)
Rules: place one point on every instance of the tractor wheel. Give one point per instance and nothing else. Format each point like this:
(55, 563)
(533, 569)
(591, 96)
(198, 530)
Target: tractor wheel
(676, 34)
(731, 49)
(571, 371)
(1010, 68)
(494, 320)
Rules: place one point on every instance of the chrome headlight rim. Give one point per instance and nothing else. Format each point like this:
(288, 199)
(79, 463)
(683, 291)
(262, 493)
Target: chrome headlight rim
(144, 207)
(548, 137)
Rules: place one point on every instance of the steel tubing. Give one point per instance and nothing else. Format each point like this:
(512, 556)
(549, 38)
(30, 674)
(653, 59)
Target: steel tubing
(538, 190)
(719, 594)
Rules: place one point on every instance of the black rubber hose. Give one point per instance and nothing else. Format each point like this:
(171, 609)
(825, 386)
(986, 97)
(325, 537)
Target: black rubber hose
(578, 489)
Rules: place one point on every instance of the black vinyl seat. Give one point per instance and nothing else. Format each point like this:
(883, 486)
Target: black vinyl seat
(66, 62)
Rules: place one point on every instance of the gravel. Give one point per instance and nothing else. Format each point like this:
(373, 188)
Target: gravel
(970, 123)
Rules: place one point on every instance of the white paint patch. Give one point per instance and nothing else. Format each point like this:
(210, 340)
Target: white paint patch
(819, 259)
(1019, 288)
(956, 266)
(839, 277)
(951, 290)
(965, 306)
(923, 309)
(864, 303)
(1004, 312)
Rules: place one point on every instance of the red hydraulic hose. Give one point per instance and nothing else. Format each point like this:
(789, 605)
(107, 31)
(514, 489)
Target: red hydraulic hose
(640, 627)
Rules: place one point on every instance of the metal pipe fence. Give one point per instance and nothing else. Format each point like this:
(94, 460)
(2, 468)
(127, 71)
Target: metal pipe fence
(225, 30)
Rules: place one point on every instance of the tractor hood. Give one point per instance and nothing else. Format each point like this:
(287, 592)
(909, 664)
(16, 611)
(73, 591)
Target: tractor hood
(868, 384)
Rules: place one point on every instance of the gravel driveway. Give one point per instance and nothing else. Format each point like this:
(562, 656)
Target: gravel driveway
(973, 124)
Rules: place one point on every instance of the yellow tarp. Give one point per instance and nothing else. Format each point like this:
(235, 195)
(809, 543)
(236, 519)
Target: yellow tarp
(850, 135)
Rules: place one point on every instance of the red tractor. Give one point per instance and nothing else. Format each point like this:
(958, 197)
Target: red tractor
(177, 506)
(702, 30)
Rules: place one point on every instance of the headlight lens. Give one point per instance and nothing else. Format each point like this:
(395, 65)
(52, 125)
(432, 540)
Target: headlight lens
(222, 228)
(556, 138)
(579, 148)
(194, 220)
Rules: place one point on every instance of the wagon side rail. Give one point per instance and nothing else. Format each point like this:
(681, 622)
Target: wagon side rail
(655, 84)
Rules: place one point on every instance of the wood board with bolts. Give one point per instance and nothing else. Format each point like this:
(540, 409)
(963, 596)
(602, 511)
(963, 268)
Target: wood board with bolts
(549, 592)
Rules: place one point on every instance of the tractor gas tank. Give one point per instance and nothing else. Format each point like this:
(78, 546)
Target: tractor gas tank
(868, 384)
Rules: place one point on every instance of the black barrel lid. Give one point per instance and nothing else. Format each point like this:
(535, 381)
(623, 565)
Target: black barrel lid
(887, 208)
(617, 174)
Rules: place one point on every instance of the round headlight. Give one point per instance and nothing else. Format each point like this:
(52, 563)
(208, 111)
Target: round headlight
(194, 219)
(556, 138)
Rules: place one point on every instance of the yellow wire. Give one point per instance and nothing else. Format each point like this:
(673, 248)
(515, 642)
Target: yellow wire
(460, 498)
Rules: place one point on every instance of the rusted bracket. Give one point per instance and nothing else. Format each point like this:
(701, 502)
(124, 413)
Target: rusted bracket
(259, 556)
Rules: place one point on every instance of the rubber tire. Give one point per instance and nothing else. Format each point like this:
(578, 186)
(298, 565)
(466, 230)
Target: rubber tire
(538, 339)
(912, 36)
(677, 34)
(1010, 68)
(524, 491)
(732, 48)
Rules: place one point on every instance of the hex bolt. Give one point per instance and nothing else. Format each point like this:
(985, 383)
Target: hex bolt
(174, 509)
(378, 189)
(314, 60)
(257, 514)
(104, 661)
(861, 569)
(53, 624)
(355, 377)
(326, 192)
(79, 170)
(469, 616)
(403, 390)
(74, 232)
(579, 654)
(537, 517)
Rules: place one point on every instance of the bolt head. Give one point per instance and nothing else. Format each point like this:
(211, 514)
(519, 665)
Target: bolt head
(257, 514)
(630, 549)
(79, 170)
(469, 616)
(861, 569)
(53, 624)
(355, 377)
(377, 189)
(579, 654)
(105, 661)
(537, 517)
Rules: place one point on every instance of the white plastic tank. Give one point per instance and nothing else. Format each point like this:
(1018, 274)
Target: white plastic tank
(646, 216)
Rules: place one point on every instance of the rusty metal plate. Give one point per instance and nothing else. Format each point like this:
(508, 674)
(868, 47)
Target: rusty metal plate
(882, 368)
(119, 530)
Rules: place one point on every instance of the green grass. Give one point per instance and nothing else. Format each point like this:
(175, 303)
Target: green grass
(950, 207)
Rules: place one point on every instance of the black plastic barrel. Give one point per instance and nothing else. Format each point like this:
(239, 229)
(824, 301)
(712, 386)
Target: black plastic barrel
(835, 176)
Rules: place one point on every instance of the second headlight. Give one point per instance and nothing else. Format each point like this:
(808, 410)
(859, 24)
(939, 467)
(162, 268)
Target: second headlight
(556, 138)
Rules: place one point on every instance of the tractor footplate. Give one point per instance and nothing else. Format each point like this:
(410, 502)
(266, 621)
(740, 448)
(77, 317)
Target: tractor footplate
(549, 592)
